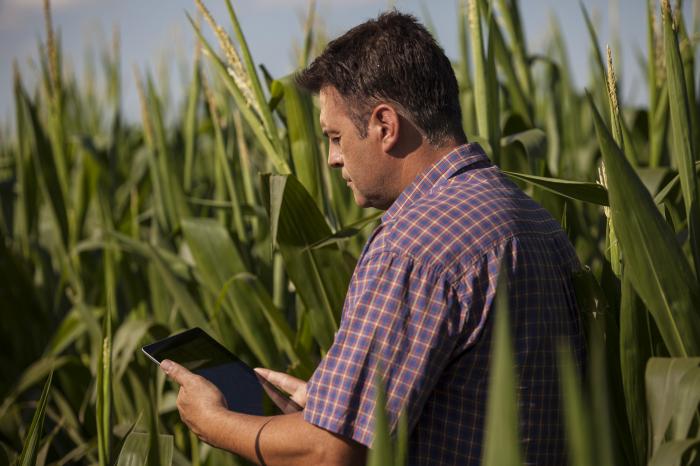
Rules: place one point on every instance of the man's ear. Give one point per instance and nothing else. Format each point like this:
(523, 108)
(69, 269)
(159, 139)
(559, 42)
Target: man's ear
(385, 122)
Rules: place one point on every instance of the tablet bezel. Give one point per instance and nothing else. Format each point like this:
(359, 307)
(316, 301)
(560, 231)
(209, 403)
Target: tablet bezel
(277, 396)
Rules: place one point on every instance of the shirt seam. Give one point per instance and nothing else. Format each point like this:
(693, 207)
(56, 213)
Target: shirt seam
(440, 269)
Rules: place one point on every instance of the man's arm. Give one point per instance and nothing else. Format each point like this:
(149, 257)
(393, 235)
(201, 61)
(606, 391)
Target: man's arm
(274, 440)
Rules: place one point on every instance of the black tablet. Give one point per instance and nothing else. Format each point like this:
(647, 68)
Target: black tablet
(245, 391)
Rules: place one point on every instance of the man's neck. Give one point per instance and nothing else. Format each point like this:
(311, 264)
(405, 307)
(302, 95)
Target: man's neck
(424, 157)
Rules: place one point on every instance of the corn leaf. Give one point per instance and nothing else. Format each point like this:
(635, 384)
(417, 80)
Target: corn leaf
(504, 57)
(190, 311)
(103, 407)
(681, 132)
(381, 453)
(320, 276)
(253, 296)
(268, 121)
(510, 13)
(253, 122)
(662, 379)
(348, 232)
(686, 404)
(635, 351)
(31, 442)
(578, 424)
(136, 448)
(190, 123)
(303, 143)
(671, 453)
(658, 269)
(501, 437)
(402, 434)
(44, 164)
(481, 101)
(492, 90)
(217, 261)
(577, 190)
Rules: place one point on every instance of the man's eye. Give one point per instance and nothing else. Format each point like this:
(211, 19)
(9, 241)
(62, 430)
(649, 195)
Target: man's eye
(335, 140)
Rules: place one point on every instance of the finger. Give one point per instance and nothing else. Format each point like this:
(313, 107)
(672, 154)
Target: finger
(175, 371)
(281, 380)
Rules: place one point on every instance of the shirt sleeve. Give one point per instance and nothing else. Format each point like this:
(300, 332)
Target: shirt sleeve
(400, 319)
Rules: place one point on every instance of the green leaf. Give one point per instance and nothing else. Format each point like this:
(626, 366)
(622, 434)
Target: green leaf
(217, 261)
(190, 122)
(681, 132)
(253, 121)
(511, 17)
(70, 328)
(47, 173)
(593, 36)
(381, 453)
(533, 143)
(136, 448)
(348, 232)
(402, 434)
(30, 377)
(635, 351)
(577, 190)
(504, 57)
(320, 276)
(656, 264)
(501, 437)
(252, 296)
(686, 403)
(191, 312)
(103, 406)
(479, 59)
(663, 377)
(576, 414)
(31, 442)
(492, 93)
(223, 169)
(602, 387)
(268, 121)
(671, 453)
(671, 186)
(303, 142)
(126, 343)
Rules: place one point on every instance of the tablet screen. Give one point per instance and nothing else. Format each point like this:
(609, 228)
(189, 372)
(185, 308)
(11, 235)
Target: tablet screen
(244, 390)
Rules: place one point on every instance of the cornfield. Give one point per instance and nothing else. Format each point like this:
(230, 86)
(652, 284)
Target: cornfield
(113, 235)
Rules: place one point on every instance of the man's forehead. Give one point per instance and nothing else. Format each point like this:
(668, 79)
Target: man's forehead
(331, 104)
(326, 97)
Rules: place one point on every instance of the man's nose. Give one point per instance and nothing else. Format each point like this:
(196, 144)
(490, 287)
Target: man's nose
(335, 159)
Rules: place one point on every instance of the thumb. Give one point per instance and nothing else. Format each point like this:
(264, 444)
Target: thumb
(281, 380)
(175, 371)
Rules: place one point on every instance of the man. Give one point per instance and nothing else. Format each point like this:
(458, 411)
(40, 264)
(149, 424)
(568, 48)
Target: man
(418, 308)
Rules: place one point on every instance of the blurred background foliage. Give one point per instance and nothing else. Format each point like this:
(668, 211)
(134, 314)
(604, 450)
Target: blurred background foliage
(224, 215)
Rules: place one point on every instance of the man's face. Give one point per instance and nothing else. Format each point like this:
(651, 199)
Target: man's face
(365, 167)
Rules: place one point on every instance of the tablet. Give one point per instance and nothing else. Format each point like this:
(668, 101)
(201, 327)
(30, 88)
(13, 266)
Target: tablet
(245, 391)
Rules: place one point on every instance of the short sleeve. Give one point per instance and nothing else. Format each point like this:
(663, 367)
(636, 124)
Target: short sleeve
(400, 317)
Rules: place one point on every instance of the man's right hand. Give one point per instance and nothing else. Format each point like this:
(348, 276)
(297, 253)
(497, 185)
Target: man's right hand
(287, 383)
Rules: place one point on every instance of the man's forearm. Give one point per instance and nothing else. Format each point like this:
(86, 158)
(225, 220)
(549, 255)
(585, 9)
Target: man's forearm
(281, 440)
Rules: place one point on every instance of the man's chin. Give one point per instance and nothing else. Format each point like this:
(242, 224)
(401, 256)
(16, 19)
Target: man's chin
(366, 203)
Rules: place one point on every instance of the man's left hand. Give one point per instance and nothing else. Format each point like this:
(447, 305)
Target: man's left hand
(199, 401)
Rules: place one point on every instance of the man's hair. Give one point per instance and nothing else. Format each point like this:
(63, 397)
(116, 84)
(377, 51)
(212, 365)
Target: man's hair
(391, 59)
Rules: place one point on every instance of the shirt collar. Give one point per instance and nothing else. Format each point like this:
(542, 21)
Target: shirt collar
(452, 163)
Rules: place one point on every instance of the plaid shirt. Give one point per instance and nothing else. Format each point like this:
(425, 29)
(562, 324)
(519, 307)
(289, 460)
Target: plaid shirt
(418, 307)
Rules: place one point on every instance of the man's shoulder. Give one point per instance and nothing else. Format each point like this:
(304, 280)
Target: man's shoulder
(464, 217)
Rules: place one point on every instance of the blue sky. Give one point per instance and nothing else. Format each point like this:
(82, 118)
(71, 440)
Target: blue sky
(157, 31)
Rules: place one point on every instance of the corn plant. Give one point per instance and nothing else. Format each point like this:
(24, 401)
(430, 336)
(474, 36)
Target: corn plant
(116, 233)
